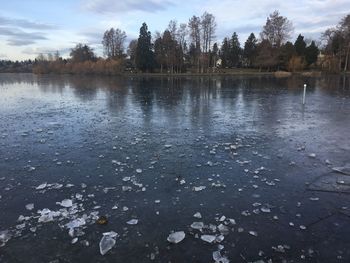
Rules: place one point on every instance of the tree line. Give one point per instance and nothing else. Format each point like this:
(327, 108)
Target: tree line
(191, 47)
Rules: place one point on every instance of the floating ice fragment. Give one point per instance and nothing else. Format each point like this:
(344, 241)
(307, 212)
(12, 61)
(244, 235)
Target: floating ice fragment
(197, 215)
(65, 203)
(126, 188)
(232, 221)
(74, 240)
(4, 237)
(223, 229)
(218, 258)
(79, 196)
(132, 222)
(265, 210)
(197, 225)
(219, 238)
(107, 242)
(222, 218)
(314, 198)
(344, 170)
(253, 233)
(30, 207)
(167, 145)
(42, 186)
(47, 215)
(245, 213)
(176, 237)
(208, 238)
(199, 188)
(76, 223)
(139, 171)
(312, 155)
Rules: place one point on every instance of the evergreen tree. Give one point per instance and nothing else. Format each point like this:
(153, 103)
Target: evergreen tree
(249, 52)
(311, 53)
(300, 46)
(235, 51)
(225, 53)
(144, 53)
(286, 52)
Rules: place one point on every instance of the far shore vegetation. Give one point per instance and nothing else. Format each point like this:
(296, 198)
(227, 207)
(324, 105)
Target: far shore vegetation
(189, 49)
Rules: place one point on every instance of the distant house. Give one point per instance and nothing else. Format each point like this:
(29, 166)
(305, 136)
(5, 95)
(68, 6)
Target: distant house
(218, 63)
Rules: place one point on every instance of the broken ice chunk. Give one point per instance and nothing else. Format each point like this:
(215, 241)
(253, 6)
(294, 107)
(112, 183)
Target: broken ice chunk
(253, 233)
(176, 237)
(197, 215)
(344, 170)
(4, 237)
(265, 210)
(42, 186)
(218, 258)
(47, 215)
(76, 223)
(107, 242)
(132, 222)
(208, 238)
(312, 155)
(223, 229)
(198, 188)
(197, 225)
(139, 171)
(222, 218)
(65, 203)
(30, 207)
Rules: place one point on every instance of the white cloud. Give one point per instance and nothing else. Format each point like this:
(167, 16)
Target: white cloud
(112, 6)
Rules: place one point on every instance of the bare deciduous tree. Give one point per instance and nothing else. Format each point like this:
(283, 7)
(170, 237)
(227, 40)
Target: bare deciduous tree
(277, 29)
(113, 43)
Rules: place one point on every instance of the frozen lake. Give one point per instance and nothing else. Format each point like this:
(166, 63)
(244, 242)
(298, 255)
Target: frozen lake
(236, 163)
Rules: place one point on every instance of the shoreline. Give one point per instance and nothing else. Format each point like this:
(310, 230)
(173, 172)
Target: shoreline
(277, 74)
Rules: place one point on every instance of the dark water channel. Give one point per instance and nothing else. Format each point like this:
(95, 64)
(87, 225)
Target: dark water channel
(242, 154)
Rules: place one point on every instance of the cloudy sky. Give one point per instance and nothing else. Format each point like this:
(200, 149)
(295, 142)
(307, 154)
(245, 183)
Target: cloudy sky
(30, 27)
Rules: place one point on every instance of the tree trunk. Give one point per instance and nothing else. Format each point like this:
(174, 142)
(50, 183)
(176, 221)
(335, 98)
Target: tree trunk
(347, 58)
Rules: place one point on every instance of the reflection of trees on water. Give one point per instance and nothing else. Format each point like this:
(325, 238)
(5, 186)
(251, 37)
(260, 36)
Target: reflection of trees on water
(195, 101)
(20, 78)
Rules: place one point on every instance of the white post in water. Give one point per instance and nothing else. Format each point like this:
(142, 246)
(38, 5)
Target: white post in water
(304, 94)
